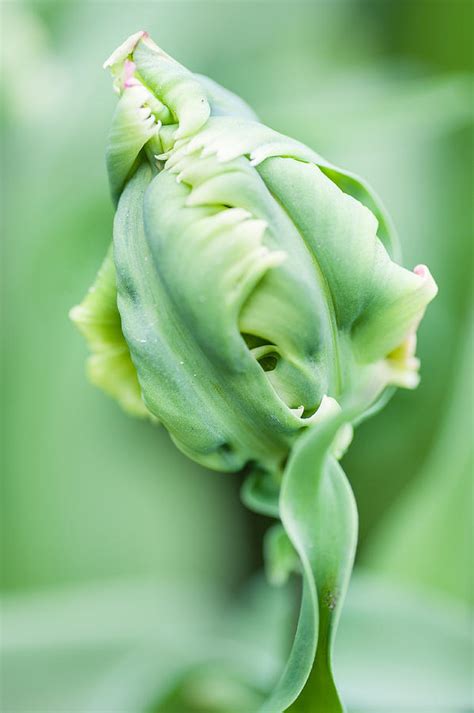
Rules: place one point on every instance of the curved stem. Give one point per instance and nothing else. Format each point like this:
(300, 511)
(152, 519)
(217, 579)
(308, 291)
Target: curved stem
(318, 512)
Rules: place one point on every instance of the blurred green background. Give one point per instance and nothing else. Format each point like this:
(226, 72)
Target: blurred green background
(124, 564)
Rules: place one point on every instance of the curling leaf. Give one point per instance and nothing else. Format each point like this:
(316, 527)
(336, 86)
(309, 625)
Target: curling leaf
(319, 515)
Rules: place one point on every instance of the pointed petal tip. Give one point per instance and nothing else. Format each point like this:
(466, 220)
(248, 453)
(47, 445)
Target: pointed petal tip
(125, 49)
(424, 273)
(420, 270)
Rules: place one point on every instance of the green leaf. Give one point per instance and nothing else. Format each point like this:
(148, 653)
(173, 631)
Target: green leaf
(318, 511)
(426, 538)
(401, 649)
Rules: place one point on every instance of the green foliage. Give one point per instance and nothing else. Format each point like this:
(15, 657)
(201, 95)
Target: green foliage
(420, 542)
(376, 93)
(319, 514)
(141, 644)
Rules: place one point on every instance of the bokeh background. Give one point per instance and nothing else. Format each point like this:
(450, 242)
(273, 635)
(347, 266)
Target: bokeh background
(131, 577)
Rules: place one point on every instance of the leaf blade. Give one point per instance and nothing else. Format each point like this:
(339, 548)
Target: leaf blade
(318, 511)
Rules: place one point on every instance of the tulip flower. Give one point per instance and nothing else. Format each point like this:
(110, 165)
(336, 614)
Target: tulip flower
(253, 303)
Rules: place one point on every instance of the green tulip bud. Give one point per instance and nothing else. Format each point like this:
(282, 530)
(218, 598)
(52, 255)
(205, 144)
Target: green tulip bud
(252, 283)
(252, 303)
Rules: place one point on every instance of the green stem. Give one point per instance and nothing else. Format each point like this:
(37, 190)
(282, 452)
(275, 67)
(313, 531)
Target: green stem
(318, 512)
